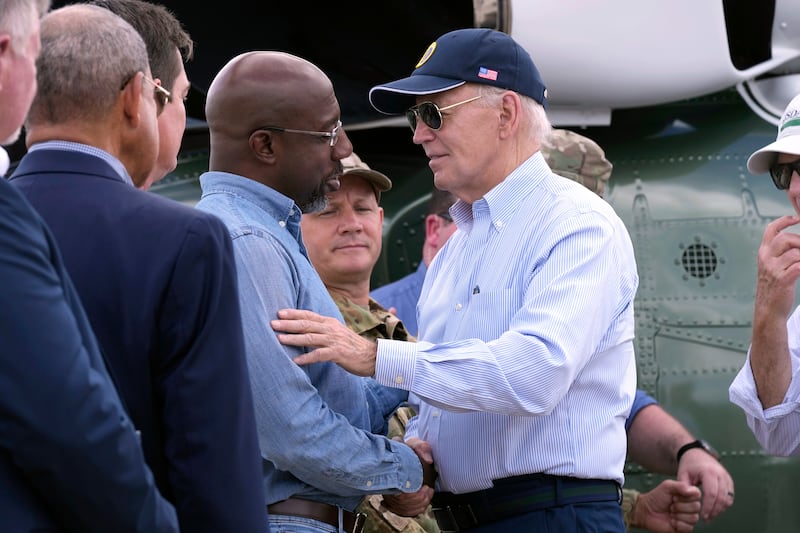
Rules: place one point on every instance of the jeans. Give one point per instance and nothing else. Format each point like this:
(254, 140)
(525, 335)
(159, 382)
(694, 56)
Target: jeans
(280, 523)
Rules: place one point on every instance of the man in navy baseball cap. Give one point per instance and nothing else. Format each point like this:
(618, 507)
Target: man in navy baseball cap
(472, 55)
(525, 418)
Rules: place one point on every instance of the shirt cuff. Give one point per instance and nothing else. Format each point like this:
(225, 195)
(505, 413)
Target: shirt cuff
(394, 364)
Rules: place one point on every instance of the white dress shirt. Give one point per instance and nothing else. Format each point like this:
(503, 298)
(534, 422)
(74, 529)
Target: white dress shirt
(777, 428)
(525, 362)
(5, 161)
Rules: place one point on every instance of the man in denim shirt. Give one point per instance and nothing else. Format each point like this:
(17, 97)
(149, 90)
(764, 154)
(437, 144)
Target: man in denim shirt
(276, 147)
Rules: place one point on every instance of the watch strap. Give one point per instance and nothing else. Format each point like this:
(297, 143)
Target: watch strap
(699, 443)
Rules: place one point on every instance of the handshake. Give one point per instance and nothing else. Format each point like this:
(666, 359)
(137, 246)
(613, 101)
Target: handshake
(415, 503)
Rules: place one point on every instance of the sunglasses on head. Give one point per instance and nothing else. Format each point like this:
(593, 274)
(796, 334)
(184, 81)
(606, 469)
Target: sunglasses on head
(782, 173)
(431, 114)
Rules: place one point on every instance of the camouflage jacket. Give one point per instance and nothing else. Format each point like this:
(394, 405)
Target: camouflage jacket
(378, 323)
(373, 323)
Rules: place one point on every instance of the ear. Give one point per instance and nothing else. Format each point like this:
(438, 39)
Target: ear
(510, 113)
(130, 99)
(5, 50)
(5, 43)
(380, 214)
(263, 145)
(432, 225)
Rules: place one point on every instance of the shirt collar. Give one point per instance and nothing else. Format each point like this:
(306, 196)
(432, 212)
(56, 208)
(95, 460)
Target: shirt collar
(4, 161)
(280, 207)
(505, 197)
(115, 163)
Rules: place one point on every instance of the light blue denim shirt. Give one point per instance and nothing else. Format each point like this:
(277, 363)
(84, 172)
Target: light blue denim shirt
(314, 422)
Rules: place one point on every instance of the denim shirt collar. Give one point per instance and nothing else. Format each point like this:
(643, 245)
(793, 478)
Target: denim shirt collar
(278, 206)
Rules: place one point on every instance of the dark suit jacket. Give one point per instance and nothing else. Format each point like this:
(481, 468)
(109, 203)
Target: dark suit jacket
(158, 282)
(69, 457)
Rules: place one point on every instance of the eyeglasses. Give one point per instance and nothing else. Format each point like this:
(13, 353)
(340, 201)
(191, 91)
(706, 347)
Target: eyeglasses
(782, 173)
(333, 135)
(430, 113)
(162, 95)
(445, 215)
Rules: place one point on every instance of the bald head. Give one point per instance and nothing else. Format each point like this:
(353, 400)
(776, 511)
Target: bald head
(263, 88)
(271, 118)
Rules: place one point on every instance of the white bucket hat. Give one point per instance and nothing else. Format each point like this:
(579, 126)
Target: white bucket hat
(788, 141)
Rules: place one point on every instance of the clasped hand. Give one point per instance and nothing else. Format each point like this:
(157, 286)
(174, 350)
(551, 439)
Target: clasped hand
(415, 503)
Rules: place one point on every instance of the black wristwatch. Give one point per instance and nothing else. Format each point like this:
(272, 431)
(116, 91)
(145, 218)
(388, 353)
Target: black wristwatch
(699, 443)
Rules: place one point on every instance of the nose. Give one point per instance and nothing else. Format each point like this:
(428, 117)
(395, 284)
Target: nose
(794, 183)
(349, 221)
(343, 147)
(422, 133)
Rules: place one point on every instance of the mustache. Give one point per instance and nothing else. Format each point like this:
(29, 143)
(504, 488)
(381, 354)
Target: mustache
(338, 171)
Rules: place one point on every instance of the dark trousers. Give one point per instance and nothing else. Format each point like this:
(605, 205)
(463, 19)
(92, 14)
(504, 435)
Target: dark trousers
(534, 502)
(598, 517)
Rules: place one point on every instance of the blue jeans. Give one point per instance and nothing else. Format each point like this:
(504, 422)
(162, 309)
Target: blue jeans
(280, 523)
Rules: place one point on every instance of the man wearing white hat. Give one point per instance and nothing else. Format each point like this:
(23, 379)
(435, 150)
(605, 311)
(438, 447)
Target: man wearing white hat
(766, 388)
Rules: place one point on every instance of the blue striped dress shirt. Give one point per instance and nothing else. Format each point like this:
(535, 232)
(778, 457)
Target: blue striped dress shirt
(525, 362)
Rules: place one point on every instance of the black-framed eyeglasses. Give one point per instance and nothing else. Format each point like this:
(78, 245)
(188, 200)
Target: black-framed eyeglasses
(445, 215)
(333, 135)
(430, 113)
(782, 173)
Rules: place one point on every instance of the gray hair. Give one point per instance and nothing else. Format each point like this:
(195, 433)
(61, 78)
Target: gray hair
(15, 17)
(538, 125)
(88, 56)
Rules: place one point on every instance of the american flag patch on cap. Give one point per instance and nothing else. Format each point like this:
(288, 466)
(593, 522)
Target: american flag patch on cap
(487, 73)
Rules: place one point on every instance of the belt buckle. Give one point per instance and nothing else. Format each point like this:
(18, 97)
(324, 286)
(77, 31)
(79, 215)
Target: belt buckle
(359, 522)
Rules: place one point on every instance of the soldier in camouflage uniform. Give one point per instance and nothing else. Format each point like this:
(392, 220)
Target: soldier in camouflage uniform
(347, 276)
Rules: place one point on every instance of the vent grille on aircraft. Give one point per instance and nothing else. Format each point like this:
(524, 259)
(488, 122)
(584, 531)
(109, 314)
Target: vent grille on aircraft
(699, 261)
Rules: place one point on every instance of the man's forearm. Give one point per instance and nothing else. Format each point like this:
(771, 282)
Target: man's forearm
(654, 439)
(770, 360)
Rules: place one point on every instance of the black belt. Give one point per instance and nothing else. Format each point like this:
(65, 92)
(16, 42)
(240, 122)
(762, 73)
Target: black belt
(322, 512)
(518, 495)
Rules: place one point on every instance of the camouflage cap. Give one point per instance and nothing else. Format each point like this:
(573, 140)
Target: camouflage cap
(578, 158)
(352, 165)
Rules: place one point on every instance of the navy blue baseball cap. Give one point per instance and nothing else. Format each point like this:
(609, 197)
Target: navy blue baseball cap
(475, 55)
